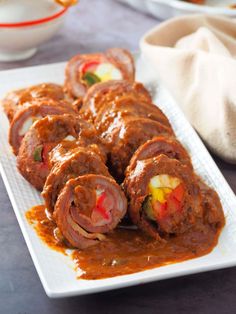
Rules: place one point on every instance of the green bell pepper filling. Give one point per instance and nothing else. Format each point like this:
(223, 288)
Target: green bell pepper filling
(147, 207)
(38, 153)
(91, 78)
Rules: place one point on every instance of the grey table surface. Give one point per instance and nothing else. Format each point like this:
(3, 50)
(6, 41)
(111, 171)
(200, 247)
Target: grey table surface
(91, 26)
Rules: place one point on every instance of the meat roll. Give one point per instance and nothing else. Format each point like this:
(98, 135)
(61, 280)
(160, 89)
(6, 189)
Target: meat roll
(83, 71)
(29, 113)
(14, 99)
(64, 150)
(164, 196)
(88, 207)
(213, 211)
(43, 136)
(127, 107)
(160, 145)
(101, 94)
(123, 140)
(76, 162)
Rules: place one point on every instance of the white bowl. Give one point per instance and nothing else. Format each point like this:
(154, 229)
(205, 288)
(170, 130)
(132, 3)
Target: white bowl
(19, 39)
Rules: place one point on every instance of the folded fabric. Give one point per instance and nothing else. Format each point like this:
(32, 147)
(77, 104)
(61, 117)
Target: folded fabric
(195, 58)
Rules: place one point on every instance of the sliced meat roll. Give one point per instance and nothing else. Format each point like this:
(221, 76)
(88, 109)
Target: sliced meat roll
(89, 207)
(101, 94)
(125, 140)
(29, 113)
(164, 196)
(64, 149)
(77, 162)
(160, 145)
(124, 60)
(127, 107)
(15, 99)
(213, 211)
(43, 136)
(83, 71)
(10, 103)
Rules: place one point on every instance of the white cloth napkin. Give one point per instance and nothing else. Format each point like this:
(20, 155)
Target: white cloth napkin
(195, 57)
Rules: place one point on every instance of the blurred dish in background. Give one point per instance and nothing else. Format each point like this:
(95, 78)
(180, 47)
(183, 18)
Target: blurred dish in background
(196, 1)
(164, 9)
(25, 24)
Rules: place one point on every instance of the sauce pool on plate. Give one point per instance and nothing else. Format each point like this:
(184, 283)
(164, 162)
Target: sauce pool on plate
(126, 251)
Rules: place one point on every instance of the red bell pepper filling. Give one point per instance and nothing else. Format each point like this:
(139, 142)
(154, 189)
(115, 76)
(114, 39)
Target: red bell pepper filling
(173, 204)
(100, 207)
(89, 66)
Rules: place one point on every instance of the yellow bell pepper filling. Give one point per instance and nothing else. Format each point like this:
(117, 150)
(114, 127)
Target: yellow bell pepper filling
(107, 72)
(94, 72)
(165, 194)
(161, 186)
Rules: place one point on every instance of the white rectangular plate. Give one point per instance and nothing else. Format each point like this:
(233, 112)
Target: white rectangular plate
(55, 270)
(164, 9)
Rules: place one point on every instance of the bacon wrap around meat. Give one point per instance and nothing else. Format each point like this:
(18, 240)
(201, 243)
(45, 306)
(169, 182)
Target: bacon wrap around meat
(82, 216)
(15, 99)
(137, 184)
(119, 58)
(28, 113)
(45, 134)
(99, 95)
(160, 145)
(76, 162)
